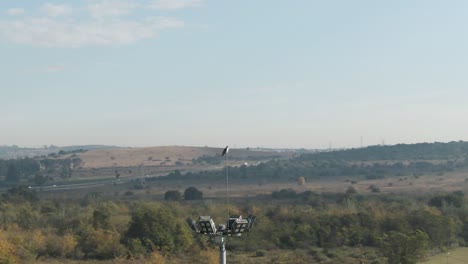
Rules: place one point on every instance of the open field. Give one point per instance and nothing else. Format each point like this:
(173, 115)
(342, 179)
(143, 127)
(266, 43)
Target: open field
(455, 256)
(124, 170)
(153, 161)
(163, 156)
(452, 181)
(249, 188)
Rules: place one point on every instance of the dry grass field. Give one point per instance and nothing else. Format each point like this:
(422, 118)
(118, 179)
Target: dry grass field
(162, 156)
(248, 188)
(132, 163)
(409, 185)
(216, 189)
(455, 256)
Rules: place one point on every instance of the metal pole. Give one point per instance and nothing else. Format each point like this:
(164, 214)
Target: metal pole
(227, 187)
(222, 248)
(222, 252)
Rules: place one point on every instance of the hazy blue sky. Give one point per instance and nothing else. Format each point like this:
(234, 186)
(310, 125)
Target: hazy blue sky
(252, 73)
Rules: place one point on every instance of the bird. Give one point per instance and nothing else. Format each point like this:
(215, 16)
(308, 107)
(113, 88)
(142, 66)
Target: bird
(225, 151)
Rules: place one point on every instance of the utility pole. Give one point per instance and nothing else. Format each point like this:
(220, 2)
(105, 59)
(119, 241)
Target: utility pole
(235, 225)
(225, 154)
(222, 251)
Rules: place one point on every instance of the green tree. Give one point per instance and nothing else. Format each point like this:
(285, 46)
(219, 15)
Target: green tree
(172, 195)
(193, 193)
(404, 248)
(13, 174)
(8, 251)
(21, 193)
(159, 229)
(101, 244)
(101, 219)
(39, 179)
(440, 229)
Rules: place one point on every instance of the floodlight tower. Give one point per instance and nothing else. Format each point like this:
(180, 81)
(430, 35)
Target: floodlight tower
(235, 225)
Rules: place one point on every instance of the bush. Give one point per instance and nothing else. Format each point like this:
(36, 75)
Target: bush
(159, 229)
(57, 246)
(193, 193)
(173, 195)
(284, 194)
(8, 252)
(374, 188)
(102, 244)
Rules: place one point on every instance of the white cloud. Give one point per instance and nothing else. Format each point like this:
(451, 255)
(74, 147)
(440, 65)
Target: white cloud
(174, 4)
(51, 32)
(56, 10)
(103, 8)
(15, 11)
(96, 23)
(164, 22)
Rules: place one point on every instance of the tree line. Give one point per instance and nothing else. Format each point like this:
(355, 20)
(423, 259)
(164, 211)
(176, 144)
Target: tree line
(36, 171)
(388, 227)
(290, 170)
(419, 151)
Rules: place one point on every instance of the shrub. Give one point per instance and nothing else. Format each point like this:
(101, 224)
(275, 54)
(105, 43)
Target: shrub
(374, 188)
(172, 195)
(102, 244)
(8, 252)
(193, 193)
(159, 229)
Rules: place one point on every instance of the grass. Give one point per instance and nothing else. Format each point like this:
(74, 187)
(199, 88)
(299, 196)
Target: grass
(343, 255)
(163, 156)
(456, 256)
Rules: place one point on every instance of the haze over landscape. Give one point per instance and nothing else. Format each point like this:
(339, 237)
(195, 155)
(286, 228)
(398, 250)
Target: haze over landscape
(344, 121)
(290, 74)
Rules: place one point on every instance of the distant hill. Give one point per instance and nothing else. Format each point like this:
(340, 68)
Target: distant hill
(419, 151)
(168, 156)
(78, 162)
(401, 161)
(13, 152)
(185, 162)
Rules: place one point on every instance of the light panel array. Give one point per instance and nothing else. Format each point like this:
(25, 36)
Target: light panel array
(207, 226)
(235, 225)
(239, 226)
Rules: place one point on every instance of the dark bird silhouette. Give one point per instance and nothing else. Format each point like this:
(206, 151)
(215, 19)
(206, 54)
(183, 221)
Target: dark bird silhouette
(225, 151)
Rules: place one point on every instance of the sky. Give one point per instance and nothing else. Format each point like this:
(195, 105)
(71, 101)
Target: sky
(263, 73)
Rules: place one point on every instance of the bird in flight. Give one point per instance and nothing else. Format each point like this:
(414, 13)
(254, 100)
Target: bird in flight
(225, 151)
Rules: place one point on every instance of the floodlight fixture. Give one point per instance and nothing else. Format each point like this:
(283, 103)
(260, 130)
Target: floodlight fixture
(231, 220)
(207, 225)
(251, 219)
(236, 225)
(239, 226)
(193, 225)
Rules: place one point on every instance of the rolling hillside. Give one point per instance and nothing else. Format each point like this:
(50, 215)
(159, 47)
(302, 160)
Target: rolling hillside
(167, 156)
(13, 152)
